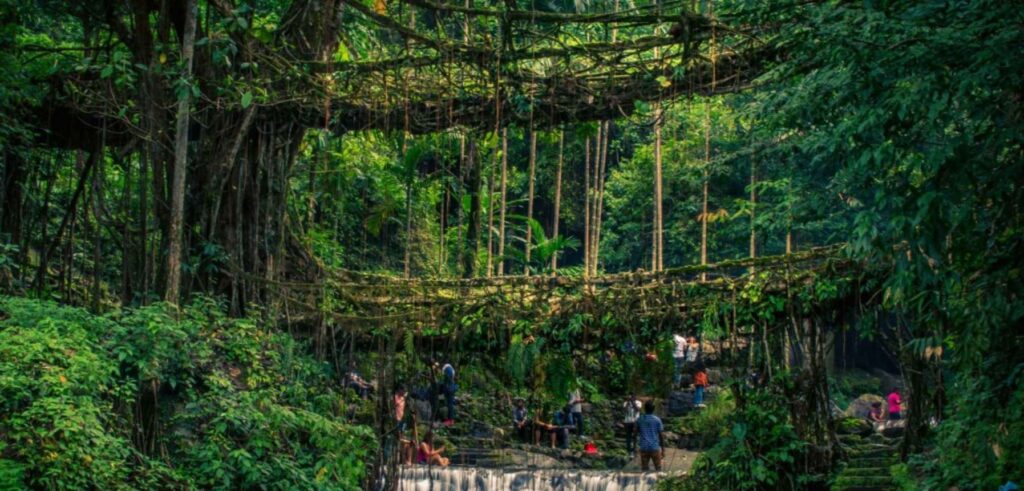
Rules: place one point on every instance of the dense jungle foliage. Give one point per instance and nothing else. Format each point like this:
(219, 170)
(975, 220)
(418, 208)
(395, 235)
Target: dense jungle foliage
(222, 155)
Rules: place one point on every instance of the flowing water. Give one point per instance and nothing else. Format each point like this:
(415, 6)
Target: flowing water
(423, 478)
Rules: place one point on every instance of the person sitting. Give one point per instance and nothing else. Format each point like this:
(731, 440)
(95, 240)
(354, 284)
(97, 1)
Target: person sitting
(430, 455)
(875, 416)
(543, 427)
(521, 421)
(564, 423)
(357, 383)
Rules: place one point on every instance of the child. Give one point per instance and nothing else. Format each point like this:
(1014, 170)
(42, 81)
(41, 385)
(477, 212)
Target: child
(700, 380)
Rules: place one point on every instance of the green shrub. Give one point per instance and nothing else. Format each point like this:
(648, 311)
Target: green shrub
(760, 450)
(237, 404)
(712, 422)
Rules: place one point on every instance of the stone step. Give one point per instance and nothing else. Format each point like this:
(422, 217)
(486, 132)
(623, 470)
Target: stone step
(865, 472)
(871, 462)
(847, 483)
(870, 451)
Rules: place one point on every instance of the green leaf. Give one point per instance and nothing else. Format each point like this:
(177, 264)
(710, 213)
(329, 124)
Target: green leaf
(246, 99)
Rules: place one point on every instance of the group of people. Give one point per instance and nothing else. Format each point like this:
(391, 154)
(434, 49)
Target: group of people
(639, 421)
(895, 402)
(685, 351)
(424, 451)
(643, 429)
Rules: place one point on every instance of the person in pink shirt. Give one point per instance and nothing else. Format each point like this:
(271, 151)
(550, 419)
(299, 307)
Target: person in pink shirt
(895, 404)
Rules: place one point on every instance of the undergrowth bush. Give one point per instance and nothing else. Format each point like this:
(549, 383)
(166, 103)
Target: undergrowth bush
(139, 400)
(759, 451)
(711, 423)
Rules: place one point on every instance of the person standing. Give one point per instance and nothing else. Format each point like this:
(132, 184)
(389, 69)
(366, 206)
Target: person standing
(449, 387)
(679, 357)
(630, 413)
(895, 404)
(576, 406)
(693, 350)
(700, 381)
(652, 439)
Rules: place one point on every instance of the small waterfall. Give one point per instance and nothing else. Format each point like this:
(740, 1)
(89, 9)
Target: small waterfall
(423, 478)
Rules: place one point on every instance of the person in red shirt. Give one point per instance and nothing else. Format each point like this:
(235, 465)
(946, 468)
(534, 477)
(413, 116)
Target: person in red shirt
(700, 380)
(895, 404)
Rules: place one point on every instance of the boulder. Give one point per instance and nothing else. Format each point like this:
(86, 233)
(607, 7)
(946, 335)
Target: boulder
(422, 409)
(680, 403)
(860, 406)
(894, 429)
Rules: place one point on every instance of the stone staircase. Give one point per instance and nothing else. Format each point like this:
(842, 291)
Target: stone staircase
(868, 467)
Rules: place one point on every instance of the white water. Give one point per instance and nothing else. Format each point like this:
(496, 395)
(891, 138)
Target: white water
(423, 478)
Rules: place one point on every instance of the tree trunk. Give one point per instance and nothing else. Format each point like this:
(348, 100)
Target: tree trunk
(558, 198)
(504, 201)
(657, 260)
(69, 215)
(13, 177)
(407, 260)
(174, 245)
(128, 266)
(704, 200)
(469, 268)
(529, 200)
(97, 251)
(599, 209)
(490, 212)
(753, 210)
(586, 207)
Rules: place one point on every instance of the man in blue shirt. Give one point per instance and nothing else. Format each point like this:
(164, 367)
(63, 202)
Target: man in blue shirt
(652, 441)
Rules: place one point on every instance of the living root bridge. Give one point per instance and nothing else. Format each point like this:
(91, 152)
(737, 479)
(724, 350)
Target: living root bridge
(368, 303)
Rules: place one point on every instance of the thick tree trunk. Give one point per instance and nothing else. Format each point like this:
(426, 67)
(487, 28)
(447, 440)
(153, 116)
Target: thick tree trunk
(504, 201)
(528, 246)
(174, 243)
(558, 198)
(13, 178)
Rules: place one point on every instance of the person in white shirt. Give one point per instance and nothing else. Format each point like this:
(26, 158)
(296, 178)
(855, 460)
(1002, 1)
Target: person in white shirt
(576, 408)
(630, 413)
(679, 356)
(692, 350)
